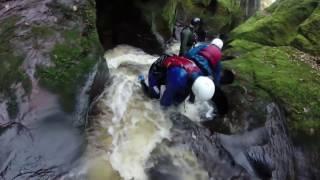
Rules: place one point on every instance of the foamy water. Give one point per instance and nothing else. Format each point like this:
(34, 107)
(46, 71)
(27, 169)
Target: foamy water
(131, 125)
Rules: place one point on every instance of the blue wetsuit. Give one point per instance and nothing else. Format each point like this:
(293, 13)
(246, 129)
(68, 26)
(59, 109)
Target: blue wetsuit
(177, 74)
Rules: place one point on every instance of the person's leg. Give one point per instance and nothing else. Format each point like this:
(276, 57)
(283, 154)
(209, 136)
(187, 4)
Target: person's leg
(227, 77)
(221, 101)
(217, 73)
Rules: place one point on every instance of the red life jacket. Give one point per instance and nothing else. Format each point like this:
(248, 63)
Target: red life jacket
(211, 53)
(180, 61)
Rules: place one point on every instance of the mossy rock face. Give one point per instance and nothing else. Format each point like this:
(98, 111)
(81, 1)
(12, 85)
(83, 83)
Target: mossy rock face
(149, 24)
(63, 45)
(219, 16)
(279, 24)
(308, 35)
(276, 69)
(9, 60)
(73, 58)
(11, 72)
(160, 15)
(292, 83)
(136, 23)
(277, 53)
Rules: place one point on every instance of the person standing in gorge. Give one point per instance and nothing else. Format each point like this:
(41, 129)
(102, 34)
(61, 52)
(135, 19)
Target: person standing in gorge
(191, 34)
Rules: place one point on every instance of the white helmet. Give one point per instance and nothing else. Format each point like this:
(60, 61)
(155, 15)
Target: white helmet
(203, 88)
(218, 42)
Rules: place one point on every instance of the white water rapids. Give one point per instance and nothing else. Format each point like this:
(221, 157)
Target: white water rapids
(130, 124)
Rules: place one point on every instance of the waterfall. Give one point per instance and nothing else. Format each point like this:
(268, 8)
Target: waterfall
(130, 125)
(266, 3)
(251, 6)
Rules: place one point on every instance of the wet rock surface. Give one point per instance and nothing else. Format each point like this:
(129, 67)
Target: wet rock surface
(264, 153)
(123, 22)
(48, 50)
(41, 150)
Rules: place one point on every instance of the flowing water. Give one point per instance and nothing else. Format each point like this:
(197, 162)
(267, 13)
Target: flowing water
(266, 3)
(130, 125)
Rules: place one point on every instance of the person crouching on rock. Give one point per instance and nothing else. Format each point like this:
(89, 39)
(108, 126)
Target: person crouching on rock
(181, 77)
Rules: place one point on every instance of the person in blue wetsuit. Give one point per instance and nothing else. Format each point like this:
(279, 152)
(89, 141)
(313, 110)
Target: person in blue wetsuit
(181, 77)
(208, 59)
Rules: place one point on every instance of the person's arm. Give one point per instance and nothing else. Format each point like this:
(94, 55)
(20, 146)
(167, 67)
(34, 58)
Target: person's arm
(154, 85)
(167, 98)
(151, 92)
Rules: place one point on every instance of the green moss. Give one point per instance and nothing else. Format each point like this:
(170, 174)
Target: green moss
(73, 59)
(267, 62)
(41, 31)
(10, 61)
(294, 83)
(10, 66)
(309, 36)
(222, 19)
(240, 46)
(277, 27)
(169, 14)
(302, 43)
